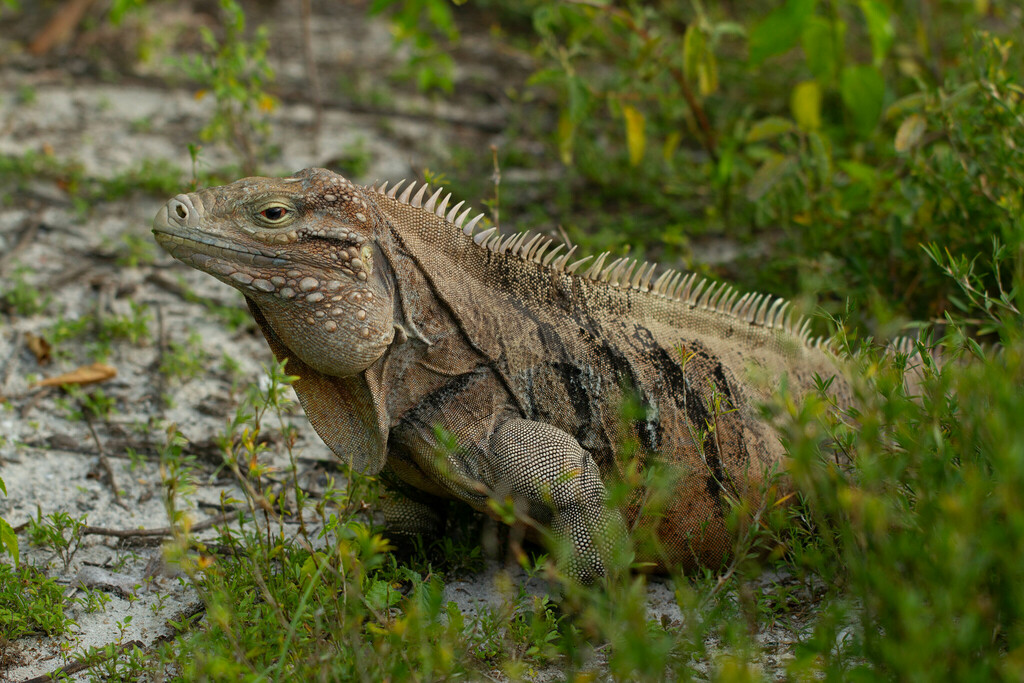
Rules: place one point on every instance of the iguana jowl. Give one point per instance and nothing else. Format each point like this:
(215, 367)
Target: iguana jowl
(399, 316)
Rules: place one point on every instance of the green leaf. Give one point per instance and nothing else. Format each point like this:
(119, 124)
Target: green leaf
(877, 16)
(672, 140)
(962, 94)
(863, 91)
(382, 595)
(378, 6)
(910, 132)
(906, 104)
(579, 97)
(699, 64)
(860, 173)
(805, 103)
(780, 30)
(694, 46)
(636, 139)
(3, 486)
(768, 128)
(9, 540)
(768, 176)
(819, 42)
(820, 148)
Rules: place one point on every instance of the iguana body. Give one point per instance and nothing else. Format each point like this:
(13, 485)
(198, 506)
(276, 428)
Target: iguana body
(398, 320)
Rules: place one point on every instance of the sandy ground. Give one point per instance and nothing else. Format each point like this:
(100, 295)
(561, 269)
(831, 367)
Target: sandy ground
(63, 104)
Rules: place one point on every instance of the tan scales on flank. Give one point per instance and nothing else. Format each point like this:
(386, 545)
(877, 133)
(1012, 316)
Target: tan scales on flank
(399, 316)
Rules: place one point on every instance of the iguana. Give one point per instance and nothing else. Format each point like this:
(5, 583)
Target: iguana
(408, 326)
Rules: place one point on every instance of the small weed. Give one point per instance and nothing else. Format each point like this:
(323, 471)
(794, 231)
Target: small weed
(141, 125)
(122, 626)
(185, 360)
(136, 250)
(93, 600)
(132, 327)
(136, 459)
(354, 159)
(59, 531)
(116, 665)
(94, 403)
(26, 96)
(22, 298)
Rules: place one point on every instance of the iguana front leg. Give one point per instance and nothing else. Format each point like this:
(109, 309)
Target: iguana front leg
(467, 441)
(541, 464)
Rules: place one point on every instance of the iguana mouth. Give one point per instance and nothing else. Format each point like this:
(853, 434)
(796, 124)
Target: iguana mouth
(184, 248)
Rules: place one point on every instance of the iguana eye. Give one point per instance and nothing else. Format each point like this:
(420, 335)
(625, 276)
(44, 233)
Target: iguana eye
(275, 214)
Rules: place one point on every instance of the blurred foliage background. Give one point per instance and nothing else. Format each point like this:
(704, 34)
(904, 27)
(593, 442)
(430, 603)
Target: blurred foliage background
(832, 139)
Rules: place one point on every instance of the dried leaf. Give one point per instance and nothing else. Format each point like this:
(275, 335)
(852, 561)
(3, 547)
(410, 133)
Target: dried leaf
(39, 347)
(87, 374)
(773, 170)
(910, 132)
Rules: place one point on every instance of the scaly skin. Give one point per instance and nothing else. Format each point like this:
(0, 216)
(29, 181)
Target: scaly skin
(397, 322)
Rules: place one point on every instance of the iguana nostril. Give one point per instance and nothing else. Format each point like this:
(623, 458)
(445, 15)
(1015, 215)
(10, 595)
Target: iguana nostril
(180, 210)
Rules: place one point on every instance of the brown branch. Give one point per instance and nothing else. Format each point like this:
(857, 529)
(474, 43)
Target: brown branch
(154, 533)
(27, 235)
(108, 470)
(60, 26)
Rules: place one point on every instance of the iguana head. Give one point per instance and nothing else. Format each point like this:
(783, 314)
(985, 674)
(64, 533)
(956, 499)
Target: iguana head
(303, 251)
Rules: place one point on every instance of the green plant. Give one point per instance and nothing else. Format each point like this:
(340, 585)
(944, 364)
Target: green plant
(810, 126)
(104, 330)
(121, 8)
(93, 404)
(22, 298)
(30, 603)
(118, 663)
(237, 73)
(26, 95)
(185, 360)
(8, 539)
(919, 525)
(135, 250)
(429, 25)
(93, 600)
(59, 531)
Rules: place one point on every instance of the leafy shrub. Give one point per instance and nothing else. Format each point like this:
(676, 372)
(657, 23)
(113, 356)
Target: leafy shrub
(924, 530)
(30, 603)
(841, 134)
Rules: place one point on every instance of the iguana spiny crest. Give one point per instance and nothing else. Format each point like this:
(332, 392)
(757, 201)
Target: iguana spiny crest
(399, 316)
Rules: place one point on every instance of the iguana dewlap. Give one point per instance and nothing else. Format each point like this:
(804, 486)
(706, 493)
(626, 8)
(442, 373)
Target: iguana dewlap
(400, 317)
